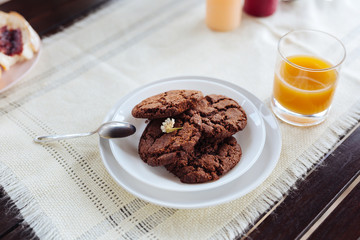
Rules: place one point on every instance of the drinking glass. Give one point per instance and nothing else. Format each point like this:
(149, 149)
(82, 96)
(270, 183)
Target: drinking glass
(306, 75)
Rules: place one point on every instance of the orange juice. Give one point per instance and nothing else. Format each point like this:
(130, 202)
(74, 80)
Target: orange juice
(223, 15)
(307, 86)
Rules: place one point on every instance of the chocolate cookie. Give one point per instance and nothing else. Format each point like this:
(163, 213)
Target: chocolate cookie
(157, 148)
(208, 162)
(221, 117)
(167, 104)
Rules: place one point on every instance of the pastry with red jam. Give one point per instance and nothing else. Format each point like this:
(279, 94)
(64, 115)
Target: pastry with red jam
(18, 40)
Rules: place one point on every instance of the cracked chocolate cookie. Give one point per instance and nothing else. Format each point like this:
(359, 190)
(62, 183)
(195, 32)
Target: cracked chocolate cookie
(221, 116)
(167, 104)
(208, 162)
(157, 148)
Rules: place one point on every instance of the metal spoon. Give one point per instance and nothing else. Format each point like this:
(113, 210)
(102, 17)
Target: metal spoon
(106, 130)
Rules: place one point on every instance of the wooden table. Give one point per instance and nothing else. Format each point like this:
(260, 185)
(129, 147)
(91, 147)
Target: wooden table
(325, 205)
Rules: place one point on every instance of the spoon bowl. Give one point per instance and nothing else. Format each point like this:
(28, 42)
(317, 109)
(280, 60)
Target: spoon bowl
(116, 130)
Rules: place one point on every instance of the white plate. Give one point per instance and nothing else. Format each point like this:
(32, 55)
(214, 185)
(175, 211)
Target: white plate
(16, 72)
(188, 200)
(251, 139)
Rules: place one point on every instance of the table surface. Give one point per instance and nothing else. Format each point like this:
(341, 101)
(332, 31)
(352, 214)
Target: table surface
(324, 205)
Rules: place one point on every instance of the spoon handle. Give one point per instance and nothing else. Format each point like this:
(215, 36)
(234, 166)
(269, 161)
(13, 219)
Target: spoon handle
(51, 138)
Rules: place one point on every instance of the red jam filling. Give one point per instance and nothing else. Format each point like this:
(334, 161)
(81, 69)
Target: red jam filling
(10, 41)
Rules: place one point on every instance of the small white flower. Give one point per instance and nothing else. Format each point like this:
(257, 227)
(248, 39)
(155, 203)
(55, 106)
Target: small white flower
(168, 126)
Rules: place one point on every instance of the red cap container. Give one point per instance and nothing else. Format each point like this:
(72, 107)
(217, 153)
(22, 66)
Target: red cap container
(260, 8)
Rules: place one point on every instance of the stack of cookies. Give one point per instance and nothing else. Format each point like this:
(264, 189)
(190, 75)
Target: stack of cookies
(191, 134)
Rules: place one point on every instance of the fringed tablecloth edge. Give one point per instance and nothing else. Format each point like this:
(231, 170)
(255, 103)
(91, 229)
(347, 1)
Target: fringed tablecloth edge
(29, 208)
(81, 22)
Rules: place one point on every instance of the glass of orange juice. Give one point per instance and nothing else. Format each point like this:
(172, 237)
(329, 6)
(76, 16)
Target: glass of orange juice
(306, 75)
